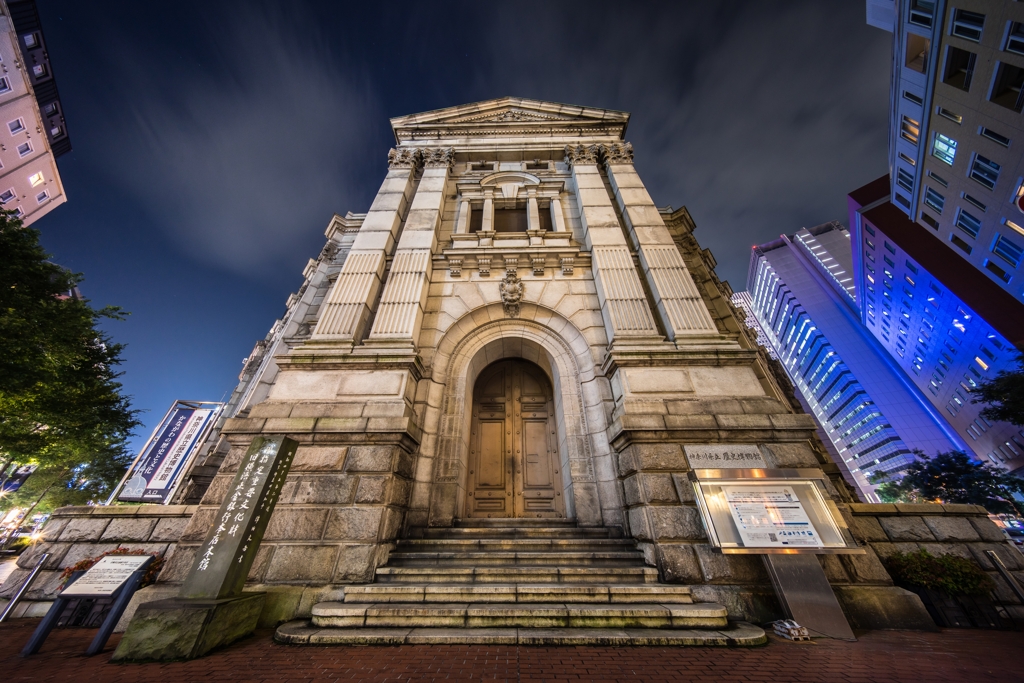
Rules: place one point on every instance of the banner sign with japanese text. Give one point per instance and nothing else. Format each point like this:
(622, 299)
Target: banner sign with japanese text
(153, 477)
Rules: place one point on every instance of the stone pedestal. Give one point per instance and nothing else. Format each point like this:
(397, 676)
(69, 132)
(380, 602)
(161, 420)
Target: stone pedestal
(186, 628)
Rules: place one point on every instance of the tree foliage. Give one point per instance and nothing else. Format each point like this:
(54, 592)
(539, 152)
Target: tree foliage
(953, 477)
(61, 406)
(1004, 395)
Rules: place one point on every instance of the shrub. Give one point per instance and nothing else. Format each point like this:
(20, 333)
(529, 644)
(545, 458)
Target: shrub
(949, 574)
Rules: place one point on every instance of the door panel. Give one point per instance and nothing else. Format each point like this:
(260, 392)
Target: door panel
(513, 463)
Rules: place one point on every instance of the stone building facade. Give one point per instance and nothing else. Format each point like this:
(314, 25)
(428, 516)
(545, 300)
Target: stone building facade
(507, 231)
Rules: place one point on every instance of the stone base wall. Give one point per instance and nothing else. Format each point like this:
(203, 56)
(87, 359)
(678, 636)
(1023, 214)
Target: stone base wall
(77, 533)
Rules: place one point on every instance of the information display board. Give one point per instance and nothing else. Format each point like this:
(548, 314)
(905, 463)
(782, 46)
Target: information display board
(770, 511)
(106, 576)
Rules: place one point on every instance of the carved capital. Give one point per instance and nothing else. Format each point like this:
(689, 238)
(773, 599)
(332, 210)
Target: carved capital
(581, 154)
(438, 158)
(617, 153)
(403, 157)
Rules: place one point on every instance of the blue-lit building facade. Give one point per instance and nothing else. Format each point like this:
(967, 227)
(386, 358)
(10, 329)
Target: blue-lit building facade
(802, 297)
(947, 325)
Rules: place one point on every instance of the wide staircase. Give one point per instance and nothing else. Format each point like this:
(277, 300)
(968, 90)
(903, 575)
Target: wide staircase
(518, 581)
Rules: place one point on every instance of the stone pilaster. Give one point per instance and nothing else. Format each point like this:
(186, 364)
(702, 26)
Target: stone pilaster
(627, 316)
(400, 314)
(346, 309)
(680, 308)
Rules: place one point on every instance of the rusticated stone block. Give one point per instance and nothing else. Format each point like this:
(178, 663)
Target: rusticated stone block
(919, 509)
(199, 525)
(258, 570)
(684, 488)
(1011, 557)
(744, 421)
(658, 488)
(356, 564)
(676, 522)
(169, 529)
(987, 529)
(793, 421)
(372, 489)
(28, 559)
(964, 509)
(639, 527)
(678, 563)
(323, 489)
(84, 551)
(631, 489)
(341, 424)
(625, 462)
(217, 490)
(867, 529)
(271, 409)
(84, 529)
(906, 529)
(54, 526)
(798, 454)
(129, 529)
(958, 549)
(312, 458)
(354, 524)
(370, 459)
(301, 524)
(866, 568)
(833, 568)
(949, 528)
(401, 490)
(719, 568)
(406, 466)
(690, 422)
(659, 456)
(391, 525)
(301, 563)
(289, 425)
(179, 564)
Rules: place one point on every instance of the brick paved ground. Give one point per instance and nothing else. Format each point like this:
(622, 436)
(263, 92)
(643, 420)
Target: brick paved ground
(960, 656)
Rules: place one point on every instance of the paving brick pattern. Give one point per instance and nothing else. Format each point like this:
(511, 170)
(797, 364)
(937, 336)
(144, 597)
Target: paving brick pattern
(904, 656)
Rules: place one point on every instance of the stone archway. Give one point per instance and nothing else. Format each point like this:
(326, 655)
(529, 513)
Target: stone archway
(561, 361)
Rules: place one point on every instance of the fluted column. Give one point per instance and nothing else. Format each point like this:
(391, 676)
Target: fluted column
(346, 309)
(679, 305)
(400, 314)
(627, 316)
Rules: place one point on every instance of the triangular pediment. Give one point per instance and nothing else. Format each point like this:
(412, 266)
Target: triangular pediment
(510, 116)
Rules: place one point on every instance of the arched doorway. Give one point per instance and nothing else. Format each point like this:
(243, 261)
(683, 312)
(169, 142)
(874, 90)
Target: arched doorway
(513, 459)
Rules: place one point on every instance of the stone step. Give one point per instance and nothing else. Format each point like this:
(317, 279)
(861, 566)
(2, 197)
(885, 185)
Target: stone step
(303, 633)
(533, 615)
(520, 532)
(515, 522)
(506, 558)
(519, 593)
(436, 545)
(490, 575)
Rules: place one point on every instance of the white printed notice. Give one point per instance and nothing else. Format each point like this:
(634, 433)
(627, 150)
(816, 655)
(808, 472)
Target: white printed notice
(770, 516)
(106, 576)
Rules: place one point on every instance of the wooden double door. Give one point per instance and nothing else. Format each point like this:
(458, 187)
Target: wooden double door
(513, 454)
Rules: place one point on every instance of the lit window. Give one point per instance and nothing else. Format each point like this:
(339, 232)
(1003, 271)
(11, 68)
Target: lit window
(5, 85)
(968, 223)
(1007, 89)
(981, 364)
(31, 40)
(6, 196)
(24, 149)
(917, 52)
(39, 70)
(959, 68)
(967, 25)
(985, 171)
(947, 114)
(910, 130)
(16, 126)
(944, 148)
(42, 197)
(910, 280)
(36, 179)
(1013, 226)
(1008, 251)
(934, 199)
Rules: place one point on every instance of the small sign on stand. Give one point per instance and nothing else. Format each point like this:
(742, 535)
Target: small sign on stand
(784, 515)
(114, 575)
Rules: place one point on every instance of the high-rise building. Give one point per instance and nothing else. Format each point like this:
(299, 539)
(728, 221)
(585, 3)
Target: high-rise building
(948, 326)
(32, 128)
(956, 129)
(803, 300)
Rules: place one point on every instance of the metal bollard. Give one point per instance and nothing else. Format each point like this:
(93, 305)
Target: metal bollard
(24, 587)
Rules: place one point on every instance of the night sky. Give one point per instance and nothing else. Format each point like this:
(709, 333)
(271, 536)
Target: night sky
(213, 141)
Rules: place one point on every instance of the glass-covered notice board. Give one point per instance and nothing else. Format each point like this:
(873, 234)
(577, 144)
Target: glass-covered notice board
(770, 511)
